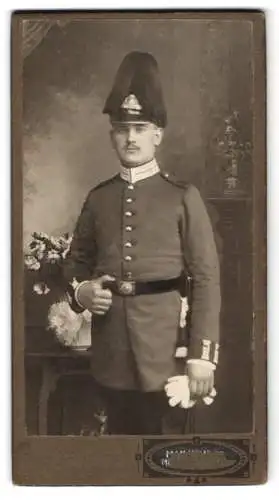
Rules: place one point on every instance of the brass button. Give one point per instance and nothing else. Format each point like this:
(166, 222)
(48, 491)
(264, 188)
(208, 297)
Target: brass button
(128, 214)
(129, 228)
(128, 244)
(129, 200)
(128, 258)
(128, 275)
(131, 187)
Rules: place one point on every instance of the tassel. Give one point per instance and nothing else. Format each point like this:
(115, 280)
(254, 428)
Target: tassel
(71, 329)
(181, 349)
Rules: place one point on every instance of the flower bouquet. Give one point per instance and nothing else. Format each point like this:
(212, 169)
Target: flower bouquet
(45, 254)
(44, 258)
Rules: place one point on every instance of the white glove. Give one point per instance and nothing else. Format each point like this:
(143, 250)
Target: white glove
(178, 392)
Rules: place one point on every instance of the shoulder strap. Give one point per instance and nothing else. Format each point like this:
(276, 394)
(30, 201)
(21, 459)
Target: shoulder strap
(106, 182)
(170, 177)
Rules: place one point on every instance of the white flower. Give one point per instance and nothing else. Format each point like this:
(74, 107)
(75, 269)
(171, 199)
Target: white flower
(37, 249)
(66, 246)
(41, 288)
(37, 245)
(32, 263)
(56, 243)
(41, 246)
(65, 253)
(63, 242)
(40, 235)
(40, 255)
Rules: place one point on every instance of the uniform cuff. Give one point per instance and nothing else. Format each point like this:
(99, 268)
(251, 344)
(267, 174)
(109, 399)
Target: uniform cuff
(76, 290)
(205, 350)
(72, 291)
(201, 362)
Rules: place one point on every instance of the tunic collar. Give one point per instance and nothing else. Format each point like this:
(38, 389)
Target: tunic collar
(135, 174)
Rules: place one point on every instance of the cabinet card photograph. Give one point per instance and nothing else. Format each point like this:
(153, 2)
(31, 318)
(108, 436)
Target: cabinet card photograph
(139, 303)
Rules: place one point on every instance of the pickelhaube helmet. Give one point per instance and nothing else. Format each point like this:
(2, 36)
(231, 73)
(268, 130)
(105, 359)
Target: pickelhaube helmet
(137, 94)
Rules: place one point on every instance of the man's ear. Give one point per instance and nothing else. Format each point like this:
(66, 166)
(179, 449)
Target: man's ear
(158, 136)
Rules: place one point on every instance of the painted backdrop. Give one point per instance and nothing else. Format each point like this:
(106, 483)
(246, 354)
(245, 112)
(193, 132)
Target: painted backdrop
(206, 72)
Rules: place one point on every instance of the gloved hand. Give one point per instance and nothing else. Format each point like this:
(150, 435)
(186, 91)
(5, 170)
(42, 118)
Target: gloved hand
(178, 391)
(201, 377)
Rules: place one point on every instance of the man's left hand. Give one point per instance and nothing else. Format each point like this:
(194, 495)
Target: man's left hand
(201, 380)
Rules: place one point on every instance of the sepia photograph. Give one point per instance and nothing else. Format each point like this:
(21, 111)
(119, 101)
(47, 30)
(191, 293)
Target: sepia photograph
(137, 141)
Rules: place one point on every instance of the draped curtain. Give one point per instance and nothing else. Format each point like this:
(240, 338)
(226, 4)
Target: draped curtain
(33, 32)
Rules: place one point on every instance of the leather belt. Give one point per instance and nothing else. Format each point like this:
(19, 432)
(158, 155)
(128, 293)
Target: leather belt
(129, 287)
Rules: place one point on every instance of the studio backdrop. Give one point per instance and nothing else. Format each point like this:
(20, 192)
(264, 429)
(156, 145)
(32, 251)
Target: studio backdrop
(206, 73)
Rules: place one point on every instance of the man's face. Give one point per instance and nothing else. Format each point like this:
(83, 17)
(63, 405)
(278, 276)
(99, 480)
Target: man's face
(135, 143)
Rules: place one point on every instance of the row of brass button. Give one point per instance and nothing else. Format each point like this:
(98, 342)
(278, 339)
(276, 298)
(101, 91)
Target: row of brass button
(129, 228)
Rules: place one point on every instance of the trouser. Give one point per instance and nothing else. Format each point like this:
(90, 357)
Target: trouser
(135, 412)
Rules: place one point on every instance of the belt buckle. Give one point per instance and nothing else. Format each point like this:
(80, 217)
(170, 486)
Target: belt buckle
(127, 287)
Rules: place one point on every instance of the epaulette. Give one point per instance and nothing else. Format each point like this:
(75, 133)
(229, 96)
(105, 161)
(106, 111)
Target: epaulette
(170, 177)
(106, 182)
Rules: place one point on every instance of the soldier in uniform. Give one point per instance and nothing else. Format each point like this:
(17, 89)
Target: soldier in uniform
(138, 239)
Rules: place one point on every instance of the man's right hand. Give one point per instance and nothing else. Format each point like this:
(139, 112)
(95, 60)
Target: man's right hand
(92, 296)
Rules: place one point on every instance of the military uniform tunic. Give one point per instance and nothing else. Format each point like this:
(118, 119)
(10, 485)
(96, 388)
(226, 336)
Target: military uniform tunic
(151, 230)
